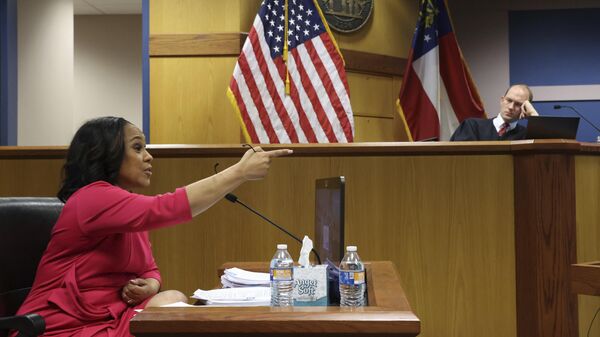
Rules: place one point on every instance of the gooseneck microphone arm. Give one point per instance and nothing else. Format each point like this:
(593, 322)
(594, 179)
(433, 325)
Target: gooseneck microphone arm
(234, 199)
(556, 107)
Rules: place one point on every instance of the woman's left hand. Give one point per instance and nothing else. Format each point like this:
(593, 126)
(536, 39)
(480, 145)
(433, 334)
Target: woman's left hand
(139, 289)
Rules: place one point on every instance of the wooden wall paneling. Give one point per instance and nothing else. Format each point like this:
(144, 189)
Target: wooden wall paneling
(188, 103)
(587, 180)
(378, 64)
(374, 129)
(545, 244)
(195, 16)
(388, 32)
(230, 44)
(371, 95)
(375, 115)
(248, 10)
(30, 177)
(215, 44)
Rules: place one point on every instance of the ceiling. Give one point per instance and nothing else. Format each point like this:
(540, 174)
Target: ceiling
(110, 7)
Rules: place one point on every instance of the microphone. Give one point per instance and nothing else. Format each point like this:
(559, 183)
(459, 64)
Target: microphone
(556, 107)
(233, 198)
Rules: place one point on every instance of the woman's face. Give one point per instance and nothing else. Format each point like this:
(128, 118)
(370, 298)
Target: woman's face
(136, 169)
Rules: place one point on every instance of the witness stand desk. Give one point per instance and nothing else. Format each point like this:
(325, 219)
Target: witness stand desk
(388, 314)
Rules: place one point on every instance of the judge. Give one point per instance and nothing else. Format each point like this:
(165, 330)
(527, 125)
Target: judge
(514, 105)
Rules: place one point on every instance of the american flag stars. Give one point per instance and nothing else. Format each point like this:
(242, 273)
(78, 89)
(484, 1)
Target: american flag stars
(302, 24)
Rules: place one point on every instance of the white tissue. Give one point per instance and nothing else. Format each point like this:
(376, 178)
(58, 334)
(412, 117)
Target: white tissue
(307, 246)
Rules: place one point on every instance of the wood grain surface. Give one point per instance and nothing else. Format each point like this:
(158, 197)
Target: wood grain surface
(390, 315)
(437, 211)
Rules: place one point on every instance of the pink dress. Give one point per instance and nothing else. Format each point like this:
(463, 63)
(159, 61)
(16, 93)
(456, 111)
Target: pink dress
(98, 244)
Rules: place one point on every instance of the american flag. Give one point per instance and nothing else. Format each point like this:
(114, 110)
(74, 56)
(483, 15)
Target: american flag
(437, 90)
(317, 108)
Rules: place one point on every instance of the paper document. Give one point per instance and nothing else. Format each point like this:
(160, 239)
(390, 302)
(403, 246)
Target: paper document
(177, 305)
(249, 296)
(247, 277)
(236, 277)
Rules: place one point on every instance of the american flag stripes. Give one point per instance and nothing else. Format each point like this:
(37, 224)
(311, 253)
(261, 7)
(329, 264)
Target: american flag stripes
(317, 108)
(437, 90)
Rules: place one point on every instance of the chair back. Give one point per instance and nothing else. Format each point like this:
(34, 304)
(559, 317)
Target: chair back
(25, 227)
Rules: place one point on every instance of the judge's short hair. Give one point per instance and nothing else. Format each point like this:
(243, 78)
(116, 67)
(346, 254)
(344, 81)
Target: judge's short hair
(524, 86)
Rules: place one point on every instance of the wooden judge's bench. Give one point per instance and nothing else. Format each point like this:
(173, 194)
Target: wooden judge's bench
(483, 234)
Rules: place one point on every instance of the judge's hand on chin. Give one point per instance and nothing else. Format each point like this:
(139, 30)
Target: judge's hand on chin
(139, 289)
(527, 110)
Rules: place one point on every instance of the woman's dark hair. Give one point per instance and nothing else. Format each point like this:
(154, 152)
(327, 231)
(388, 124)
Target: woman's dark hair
(96, 153)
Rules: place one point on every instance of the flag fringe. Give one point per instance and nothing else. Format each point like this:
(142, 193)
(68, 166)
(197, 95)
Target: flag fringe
(401, 113)
(318, 7)
(233, 101)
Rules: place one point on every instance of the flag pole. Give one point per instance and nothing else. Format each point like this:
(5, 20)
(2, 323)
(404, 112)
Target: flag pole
(285, 50)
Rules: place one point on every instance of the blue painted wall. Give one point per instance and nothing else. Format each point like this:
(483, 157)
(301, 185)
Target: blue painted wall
(555, 48)
(589, 109)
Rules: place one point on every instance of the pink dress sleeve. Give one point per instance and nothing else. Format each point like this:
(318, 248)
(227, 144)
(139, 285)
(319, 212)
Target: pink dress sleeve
(152, 271)
(105, 209)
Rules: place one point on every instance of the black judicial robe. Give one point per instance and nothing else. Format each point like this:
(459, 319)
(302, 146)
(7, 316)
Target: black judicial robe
(483, 129)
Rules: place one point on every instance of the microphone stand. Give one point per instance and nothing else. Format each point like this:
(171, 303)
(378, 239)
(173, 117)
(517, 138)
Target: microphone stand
(556, 107)
(233, 198)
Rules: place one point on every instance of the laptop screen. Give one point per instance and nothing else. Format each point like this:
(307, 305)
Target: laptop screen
(545, 127)
(329, 218)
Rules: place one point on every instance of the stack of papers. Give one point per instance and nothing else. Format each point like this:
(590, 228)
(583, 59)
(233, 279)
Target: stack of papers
(249, 296)
(236, 277)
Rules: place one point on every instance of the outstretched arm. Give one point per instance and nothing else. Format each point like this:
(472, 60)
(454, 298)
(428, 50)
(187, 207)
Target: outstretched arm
(253, 165)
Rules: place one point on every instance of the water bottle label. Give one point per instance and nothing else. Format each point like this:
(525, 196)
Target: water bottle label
(351, 278)
(282, 274)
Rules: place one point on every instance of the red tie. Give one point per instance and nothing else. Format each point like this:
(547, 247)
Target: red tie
(503, 129)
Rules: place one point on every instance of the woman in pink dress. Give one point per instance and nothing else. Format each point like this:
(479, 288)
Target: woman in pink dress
(98, 267)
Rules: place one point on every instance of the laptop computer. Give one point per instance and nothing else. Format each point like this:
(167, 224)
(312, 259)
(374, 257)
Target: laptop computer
(544, 127)
(329, 218)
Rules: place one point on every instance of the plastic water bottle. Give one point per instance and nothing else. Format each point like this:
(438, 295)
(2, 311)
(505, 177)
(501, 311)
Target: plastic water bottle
(352, 279)
(282, 278)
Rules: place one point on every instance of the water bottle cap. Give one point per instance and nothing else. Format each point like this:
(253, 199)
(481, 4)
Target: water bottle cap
(282, 246)
(351, 248)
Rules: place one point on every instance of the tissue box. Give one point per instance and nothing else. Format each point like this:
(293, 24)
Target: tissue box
(310, 286)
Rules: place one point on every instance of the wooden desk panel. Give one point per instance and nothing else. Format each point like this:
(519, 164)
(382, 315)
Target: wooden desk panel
(390, 315)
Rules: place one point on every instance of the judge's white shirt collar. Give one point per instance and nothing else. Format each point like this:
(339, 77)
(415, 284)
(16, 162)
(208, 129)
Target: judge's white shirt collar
(498, 121)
